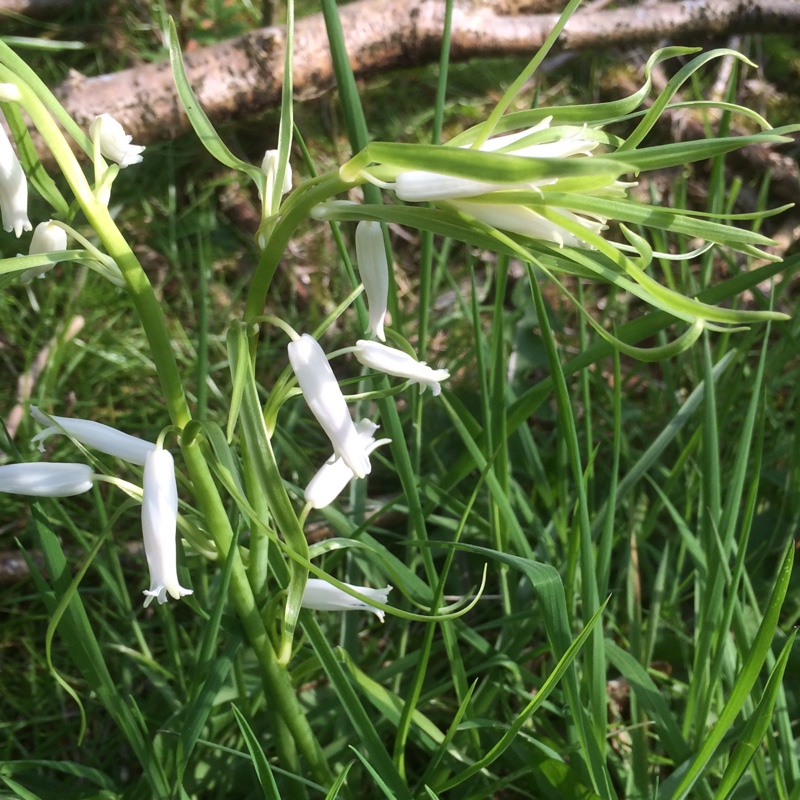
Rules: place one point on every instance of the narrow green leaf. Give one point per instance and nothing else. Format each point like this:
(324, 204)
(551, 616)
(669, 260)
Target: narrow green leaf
(482, 165)
(446, 744)
(541, 695)
(260, 763)
(20, 792)
(745, 680)
(757, 725)
(200, 122)
(333, 792)
(387, 792)
(651, 701)
(390, 705)
(352, 707)
(9, 266)
(674, 84)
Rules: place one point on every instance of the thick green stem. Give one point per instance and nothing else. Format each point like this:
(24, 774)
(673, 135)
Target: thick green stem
(277, 683)
(298, 209)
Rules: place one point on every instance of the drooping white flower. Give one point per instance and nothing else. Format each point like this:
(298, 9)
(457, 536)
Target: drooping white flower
(401, 365)
(415, 186)
(115, 144)
(46, 479)
(374, 270)
(326, 401)
(470, 196)
(523, 220)
(93, 434)
(334, 475)
(13, 187)
(47, 238)
(159, 526)
(323, 596)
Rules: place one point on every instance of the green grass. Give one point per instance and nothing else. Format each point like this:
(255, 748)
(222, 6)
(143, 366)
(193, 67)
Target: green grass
(634, 520)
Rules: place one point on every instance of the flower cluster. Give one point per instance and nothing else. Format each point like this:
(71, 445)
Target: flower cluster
(353, 443)
(110, 141)
(483, 200)
(159, 489)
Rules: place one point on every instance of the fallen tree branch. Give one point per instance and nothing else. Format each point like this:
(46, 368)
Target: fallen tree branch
(242, 76)
(33, 8)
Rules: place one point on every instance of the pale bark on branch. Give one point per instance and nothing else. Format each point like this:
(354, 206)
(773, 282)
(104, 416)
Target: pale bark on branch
(242, 76)
(33, 8)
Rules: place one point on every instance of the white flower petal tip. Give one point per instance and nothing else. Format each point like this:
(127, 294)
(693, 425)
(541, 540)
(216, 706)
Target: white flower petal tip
(13, 188)
(115, 144)
(334, 475)
(47, 238)
(526, 222)
(101, 437)
(10, 93)
(45, 479)
(326, 401)
(373, 267)
(159, 526)
(416, 186)
(269, 166)
(401, 365)
(323, 596)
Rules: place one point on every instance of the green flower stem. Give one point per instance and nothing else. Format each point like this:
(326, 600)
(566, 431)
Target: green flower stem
(144, 299)
(277, 683)
(297, 210)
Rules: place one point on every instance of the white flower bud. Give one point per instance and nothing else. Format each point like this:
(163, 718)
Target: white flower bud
(401, 365)
(326, 401)
(374, 270)
(115, 144)
(13, 187)
(269, 166)
(93, 434)
(323, 596)
(159, 526)
(46, 479)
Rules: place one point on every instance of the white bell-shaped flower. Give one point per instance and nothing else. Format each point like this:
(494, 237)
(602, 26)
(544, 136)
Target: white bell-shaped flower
(401, 365)
(115, 144)
(334, 475)
(47, 238)
(46, 479)
(93, 434)
(159, 526)
(323, 596)
(13, 187)
(326, 401)
(374, 270)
